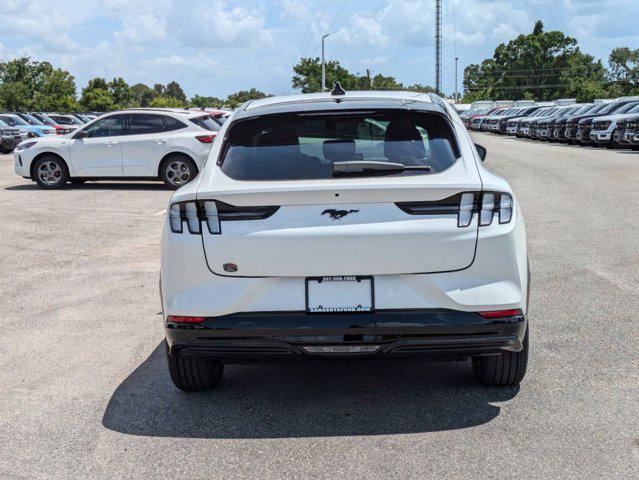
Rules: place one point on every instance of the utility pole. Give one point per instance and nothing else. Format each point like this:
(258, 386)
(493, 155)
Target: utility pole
(368, 76)
(323, 65)
(438, 46)
(456, 96)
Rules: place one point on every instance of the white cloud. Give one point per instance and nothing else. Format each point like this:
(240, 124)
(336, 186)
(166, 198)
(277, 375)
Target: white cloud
(141, 29)
(213, 25)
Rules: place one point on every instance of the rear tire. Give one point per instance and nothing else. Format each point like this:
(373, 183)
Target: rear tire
(194, 374)
(177, 170)
(50, 172)
(504, 370)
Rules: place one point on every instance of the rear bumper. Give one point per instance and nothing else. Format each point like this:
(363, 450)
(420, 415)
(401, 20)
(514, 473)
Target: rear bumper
(277, 336)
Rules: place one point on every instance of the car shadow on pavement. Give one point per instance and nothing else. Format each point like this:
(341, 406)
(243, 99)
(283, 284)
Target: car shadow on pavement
(97, 186)
(292, 400)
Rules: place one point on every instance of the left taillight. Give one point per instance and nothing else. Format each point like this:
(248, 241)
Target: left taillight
(184, 319)
(193, 214)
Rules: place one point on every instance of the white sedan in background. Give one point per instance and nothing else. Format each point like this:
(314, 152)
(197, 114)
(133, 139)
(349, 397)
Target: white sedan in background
(142, 144)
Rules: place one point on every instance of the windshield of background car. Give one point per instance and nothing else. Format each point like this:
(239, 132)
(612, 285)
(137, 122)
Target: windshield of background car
(583, 109)
(297, 146)
(626, 108)
(611, 107)
(46, 120)
(207, 122)
(18, 121)
(8, 121)
(31, 119)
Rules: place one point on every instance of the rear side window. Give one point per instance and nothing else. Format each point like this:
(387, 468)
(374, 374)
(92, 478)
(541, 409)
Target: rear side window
(310, 145)
(207, 122)
(141, 124)
(171, 124)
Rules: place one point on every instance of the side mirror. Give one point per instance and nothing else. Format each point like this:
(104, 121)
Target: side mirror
(80, 134)
(481, 151)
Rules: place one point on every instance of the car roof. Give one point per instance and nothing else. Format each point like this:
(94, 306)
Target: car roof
(325, 101)
(178, 112)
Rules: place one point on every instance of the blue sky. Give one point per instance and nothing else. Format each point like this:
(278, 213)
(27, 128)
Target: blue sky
(215, 47)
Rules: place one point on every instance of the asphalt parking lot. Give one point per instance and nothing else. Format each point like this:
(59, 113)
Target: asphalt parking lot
(85, 392)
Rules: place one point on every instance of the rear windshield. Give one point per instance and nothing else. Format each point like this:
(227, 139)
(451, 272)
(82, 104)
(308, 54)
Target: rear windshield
(307, 145)
(207, 122)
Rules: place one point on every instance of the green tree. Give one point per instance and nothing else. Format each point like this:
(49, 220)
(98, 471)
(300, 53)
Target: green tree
(538, 64)
(238, 98)
(166, 102)
(199, 101)
(97, 100)
(308, 75)
(173, 90)
(14, 96)
(141, 95)
(25, 83)
(418, 87)
(158, 89)
(624, 70)
(120, 92)
(96, 96)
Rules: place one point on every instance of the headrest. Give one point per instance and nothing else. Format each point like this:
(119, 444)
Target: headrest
(339, 149)
(278, 136)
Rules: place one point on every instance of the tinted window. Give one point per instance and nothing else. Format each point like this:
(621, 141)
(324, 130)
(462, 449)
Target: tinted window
(8, 121)
(61, 120)
(305, 146)
(207, 122)
(171, 124)
(106, 127)
(31, 119)
(18, 120)
(145, 123)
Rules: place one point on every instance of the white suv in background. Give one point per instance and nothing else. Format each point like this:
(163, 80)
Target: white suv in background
(344, 226)
(141, 144)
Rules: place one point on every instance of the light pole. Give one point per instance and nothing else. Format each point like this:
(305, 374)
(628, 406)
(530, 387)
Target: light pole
(456, 97)
(323, 66)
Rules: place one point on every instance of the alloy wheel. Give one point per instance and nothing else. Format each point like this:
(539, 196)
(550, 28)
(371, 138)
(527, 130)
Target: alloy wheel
(50, 172)
(178, 173)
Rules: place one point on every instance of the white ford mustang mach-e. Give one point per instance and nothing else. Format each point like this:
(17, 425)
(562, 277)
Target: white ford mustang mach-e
(342, 226)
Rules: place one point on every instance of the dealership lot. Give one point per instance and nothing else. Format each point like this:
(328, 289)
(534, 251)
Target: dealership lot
(85, 391)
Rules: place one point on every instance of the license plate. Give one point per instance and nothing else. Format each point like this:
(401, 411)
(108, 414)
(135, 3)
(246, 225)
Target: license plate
(340, 294)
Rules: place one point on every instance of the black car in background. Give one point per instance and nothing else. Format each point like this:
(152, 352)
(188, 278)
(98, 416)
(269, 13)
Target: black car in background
(559, 123)
(573, 132)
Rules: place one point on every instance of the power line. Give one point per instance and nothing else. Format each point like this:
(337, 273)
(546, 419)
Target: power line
(421, 44)
(361, 25)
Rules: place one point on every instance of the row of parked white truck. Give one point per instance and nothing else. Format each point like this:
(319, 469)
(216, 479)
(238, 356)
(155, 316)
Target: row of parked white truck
(611, 123)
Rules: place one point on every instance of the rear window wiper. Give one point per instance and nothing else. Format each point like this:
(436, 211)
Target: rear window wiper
(371, 167)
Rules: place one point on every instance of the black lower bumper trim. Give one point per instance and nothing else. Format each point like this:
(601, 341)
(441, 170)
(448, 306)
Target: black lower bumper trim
(248, 337)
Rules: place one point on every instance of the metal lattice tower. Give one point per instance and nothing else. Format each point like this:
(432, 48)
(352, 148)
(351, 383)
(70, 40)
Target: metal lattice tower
(438, 45)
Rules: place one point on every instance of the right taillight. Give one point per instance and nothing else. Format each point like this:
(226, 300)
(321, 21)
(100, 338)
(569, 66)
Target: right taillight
(465, 205)
(206, 138)
(495, 203)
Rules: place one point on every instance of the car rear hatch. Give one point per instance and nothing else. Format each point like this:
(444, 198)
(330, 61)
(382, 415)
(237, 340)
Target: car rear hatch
(351, 224)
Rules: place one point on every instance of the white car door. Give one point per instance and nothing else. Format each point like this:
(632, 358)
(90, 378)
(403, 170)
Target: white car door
(96, 150)
(145, 144)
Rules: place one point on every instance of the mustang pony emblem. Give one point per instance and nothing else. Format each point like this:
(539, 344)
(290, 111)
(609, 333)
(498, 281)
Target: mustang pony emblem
(337, 214)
